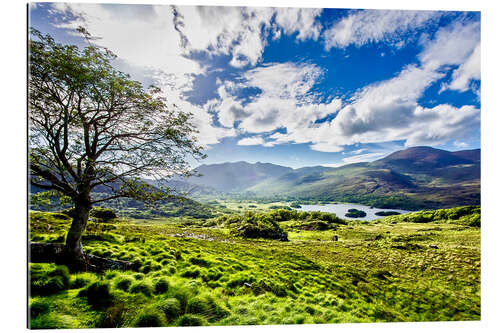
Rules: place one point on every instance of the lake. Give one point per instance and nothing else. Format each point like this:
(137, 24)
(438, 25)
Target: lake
(340, 209)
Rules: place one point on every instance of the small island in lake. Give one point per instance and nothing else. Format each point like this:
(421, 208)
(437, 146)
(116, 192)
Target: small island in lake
(355, 213)
(387, 213)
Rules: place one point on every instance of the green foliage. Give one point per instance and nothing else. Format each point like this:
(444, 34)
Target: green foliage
(123, 283)
(266, 224)
(98, 294)
(143, 287)
(355, 213)
(39, 307)
(466, 215)
(191, 320)
(170, 307)
(161, 286)
(102, 213)
(387, 213)
(150, 317)
(217, 279)
(48, 279)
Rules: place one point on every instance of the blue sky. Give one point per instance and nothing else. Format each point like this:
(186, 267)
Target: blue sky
(294, 86)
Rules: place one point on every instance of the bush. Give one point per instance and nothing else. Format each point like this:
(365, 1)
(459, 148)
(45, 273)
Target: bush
(161, 286)
(79, 282)
(141, 287)
(191, 320)
(191, 273)
(104, 214)
(45, 321)
(170, 307)
(387, 213)
(38, 307)
(48, 279)
(123, 283)
(197, 305)
(149, 317)
(252, 225)
(98, 294)
(182, 294)
(200, 262)
(113, 317)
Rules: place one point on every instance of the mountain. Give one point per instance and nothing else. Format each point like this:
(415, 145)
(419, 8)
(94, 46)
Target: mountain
(413, 178)
(424, 158)
(238, 176)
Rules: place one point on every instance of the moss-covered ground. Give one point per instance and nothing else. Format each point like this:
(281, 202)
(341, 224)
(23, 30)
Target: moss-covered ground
(399, 268)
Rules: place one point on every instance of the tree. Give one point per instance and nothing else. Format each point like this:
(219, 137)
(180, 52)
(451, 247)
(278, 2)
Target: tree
(91, 125)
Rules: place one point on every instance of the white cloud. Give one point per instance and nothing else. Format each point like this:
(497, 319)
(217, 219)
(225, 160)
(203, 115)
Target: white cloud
(251, 141)
(452, 45)
(242, 31)
(389, 110)
(145, 37)
(301, 20)
(362, 27)
(148, 40)
(284, 100)
(468, 71)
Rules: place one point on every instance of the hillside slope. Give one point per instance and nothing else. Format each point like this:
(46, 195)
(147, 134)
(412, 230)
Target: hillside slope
(414, 178)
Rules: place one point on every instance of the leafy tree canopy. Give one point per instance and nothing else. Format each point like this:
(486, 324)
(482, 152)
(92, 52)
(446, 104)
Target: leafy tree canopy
(91, 125)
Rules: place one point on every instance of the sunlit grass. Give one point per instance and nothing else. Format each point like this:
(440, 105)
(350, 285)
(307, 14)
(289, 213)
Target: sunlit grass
(385, 270)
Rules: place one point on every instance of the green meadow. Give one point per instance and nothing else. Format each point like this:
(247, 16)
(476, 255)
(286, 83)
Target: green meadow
(422, 266)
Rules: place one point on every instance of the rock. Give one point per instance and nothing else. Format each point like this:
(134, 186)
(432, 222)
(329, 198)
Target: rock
(433, 246)
(335, 238)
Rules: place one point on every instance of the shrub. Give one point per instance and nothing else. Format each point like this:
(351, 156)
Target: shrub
(45, 321)
(149, 317)
(141, 287)
(98, 294)
(258, 226)
(123, 283)
(191, 320)
(38, 307)
(200, 262)
(48, 279)
(110, 275)
(387, 213)
(161, 286)
(182, 294)
(191, 273)
(170, 307)
(79, 282)
(197, 305)
(113, 317)
(104, 214)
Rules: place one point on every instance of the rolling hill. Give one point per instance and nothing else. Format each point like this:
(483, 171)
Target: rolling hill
(414, 178)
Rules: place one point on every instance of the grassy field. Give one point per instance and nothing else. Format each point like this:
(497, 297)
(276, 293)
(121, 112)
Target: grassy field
(414, 267)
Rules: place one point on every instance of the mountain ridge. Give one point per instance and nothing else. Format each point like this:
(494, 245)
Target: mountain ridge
(425, 177)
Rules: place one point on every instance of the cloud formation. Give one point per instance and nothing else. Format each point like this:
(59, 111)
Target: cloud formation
(241, 32)
(283, 105)
(284, 100)
(389, 110)
(371, 26)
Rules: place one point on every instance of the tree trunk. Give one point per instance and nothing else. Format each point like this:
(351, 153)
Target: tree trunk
(73, 255)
